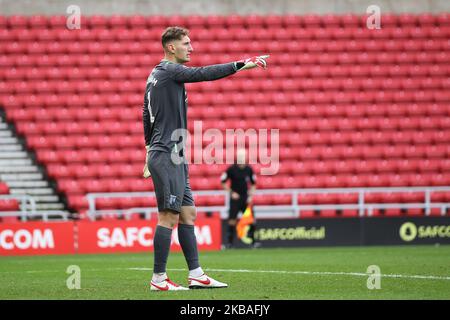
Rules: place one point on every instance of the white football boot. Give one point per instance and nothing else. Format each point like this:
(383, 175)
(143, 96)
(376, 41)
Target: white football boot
(204, 281)
(166, 285)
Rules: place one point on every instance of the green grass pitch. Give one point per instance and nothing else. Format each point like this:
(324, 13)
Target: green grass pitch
(407, 272)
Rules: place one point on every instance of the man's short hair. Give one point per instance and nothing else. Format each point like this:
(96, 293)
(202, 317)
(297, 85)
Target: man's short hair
(173, 33)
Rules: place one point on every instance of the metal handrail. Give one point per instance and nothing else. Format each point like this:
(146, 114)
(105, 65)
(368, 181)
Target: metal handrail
(26, 212)
(294, 207)
(287, 210)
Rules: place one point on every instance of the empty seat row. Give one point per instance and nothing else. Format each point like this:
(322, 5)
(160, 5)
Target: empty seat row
(390, 212)
(318, 84)
(132, 127)
(270, 46)
(316, 99)
(286, 169)
(286, 138)
(297, 71)
(286, 58)
(97, 88)
(107, 127)
(368, 137)
(366, 152)
(192, 21)
(128, 184)
(234, 33)
(317, 152)
(356, 181)
(124, 184)
(413, 114)
(394, 165)
(296, 140)
(314, 96)
(8, 205)
(103, 155)
(76, 114)
(83, 186)
(103, 170)
(280, 199)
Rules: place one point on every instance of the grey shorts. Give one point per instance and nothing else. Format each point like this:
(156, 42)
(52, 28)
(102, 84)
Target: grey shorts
(171, 182)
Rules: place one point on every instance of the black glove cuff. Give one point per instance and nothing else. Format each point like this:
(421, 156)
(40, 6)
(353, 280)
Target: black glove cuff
(239, 65)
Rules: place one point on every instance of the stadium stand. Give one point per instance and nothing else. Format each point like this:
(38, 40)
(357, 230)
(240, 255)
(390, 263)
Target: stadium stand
(355, 107)
(7, 204)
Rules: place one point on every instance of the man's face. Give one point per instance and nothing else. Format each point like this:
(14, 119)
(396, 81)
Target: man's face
(182, 49)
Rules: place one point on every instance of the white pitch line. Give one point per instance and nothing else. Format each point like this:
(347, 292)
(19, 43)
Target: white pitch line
(319, 273)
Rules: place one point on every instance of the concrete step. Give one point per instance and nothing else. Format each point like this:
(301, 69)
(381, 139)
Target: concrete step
(16, 162)
(21, 169)
(46, 199)
(10, 147)
(47, 206)
(27, 184)
(9, 140)
(21, 175)
(32, 191)
(13, 154)
(9, 177)
(5, 133)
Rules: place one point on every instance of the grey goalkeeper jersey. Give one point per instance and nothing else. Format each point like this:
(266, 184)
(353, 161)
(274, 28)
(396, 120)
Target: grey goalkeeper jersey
(165, 101)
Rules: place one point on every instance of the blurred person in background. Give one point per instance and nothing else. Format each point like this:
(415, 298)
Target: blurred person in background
(242, 188)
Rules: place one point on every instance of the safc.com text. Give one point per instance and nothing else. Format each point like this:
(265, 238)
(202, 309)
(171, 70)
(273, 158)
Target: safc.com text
(222, 148)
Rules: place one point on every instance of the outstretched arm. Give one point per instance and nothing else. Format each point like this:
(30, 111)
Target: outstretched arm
(184, 74)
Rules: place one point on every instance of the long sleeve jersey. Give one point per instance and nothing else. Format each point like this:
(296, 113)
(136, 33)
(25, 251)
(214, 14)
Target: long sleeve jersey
(165, 101)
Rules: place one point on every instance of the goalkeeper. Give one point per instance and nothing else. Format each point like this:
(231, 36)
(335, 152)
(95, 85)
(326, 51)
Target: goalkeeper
(164, 113)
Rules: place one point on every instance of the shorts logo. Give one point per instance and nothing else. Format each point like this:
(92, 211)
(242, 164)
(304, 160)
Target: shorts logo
(172, 199)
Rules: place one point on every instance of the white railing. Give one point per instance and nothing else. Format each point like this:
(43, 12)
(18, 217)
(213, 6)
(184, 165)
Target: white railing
(28, 209)
(292, 210)
(93, 212)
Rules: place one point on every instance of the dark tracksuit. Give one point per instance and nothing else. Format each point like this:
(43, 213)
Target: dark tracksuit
(240, 178)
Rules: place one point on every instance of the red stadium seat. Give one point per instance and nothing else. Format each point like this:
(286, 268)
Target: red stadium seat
(305, 214)
(393, 212)
(415, 212)
(349, 213)
(328, 213)
(8, 219)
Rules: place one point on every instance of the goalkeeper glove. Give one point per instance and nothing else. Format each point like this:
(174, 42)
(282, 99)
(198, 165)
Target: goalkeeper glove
(146, 171)
(257, 61)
